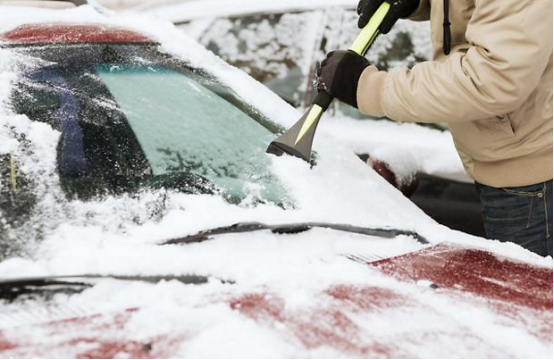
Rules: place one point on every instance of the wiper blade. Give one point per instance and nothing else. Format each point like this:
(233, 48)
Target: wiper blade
(11, 289)
(293, 229)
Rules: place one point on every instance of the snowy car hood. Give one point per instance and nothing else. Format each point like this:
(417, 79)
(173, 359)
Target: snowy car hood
(296, 297)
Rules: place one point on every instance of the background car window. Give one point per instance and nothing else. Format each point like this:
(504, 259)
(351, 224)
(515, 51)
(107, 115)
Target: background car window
(283, 50)
(182, 126)
(275, 49)
(403, 46)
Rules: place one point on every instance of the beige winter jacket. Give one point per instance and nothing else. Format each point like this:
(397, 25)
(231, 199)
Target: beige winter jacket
(494, 89)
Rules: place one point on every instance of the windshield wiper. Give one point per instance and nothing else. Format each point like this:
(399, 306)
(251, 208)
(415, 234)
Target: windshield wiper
(11, 289)
(292, 229)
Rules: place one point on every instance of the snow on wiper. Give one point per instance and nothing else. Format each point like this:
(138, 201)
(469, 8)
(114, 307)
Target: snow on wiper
(11, 289)
(293, 229)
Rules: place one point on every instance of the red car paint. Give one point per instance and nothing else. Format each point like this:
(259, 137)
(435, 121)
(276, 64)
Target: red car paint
(487, 276)
(520, 294)
(89, 337)
(43, 34)
(503, 286)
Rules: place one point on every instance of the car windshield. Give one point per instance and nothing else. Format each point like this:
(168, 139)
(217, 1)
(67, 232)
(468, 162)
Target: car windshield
(182, 126)
(131, 117)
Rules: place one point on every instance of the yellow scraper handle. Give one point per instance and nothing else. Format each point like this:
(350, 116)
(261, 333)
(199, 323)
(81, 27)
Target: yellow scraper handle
(370, 31)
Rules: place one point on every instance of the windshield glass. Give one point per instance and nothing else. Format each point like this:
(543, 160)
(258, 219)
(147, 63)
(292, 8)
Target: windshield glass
(182, 126)
(132, 117)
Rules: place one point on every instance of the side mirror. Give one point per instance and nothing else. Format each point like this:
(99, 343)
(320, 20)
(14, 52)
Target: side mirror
(36, 97)
(407, 184)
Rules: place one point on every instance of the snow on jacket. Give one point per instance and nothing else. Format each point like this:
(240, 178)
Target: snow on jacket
(494, 89)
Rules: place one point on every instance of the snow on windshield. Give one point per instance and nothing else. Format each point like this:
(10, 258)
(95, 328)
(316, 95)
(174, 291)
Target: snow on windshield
(118, 234)
(307, 200)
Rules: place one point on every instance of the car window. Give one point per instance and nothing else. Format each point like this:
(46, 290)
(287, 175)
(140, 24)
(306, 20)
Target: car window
(182, 126)
(276, 49)
(283, 50)
(132, 118)
(402, 46)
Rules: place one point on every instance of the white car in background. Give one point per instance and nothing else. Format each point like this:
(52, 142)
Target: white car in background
(140, 217)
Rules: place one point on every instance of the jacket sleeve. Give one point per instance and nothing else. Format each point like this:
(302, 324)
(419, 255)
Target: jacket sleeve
(510, 47)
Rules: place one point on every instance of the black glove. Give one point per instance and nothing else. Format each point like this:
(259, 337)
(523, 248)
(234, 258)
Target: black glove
(339, 74)
(398, 9)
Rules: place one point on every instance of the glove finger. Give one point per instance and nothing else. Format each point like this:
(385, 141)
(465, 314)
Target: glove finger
(318, 72)
(367, 10)
(360, 6)
(388, 23)
(323, 63)
(363, 20)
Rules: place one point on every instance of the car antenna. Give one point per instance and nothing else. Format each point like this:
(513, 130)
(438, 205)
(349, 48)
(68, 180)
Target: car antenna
(298, 140)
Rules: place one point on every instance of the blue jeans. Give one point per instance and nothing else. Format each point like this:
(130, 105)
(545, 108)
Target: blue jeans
(522, 215)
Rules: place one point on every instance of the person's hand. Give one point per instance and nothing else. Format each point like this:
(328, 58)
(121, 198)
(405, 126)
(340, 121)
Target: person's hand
(398, 9)
(339, 74)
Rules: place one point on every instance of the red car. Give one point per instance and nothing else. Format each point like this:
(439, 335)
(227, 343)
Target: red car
(509, 305)
(354, 287)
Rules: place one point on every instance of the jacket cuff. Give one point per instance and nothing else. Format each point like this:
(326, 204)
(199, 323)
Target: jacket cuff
(370, 92)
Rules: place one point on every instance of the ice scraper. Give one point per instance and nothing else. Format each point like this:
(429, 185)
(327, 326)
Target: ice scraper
(297, 141)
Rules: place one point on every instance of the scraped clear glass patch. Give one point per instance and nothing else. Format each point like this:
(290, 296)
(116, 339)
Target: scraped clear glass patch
(186, 124)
